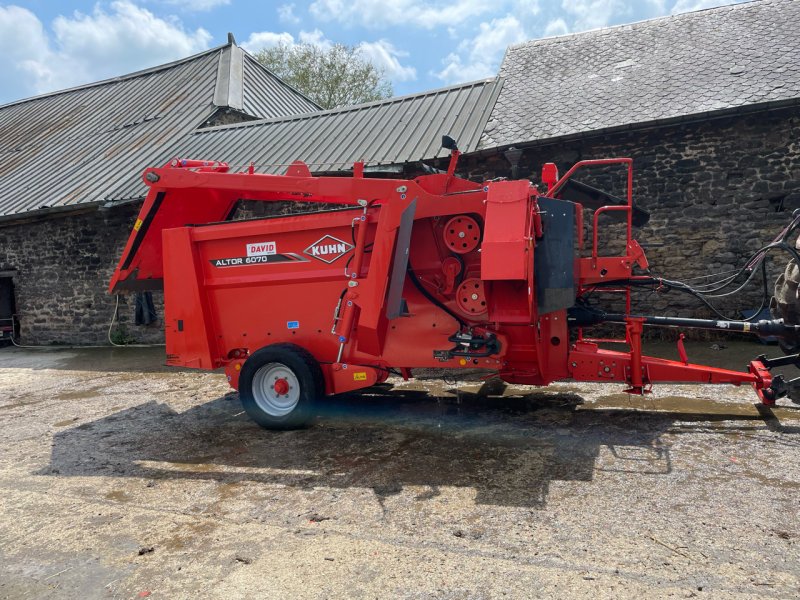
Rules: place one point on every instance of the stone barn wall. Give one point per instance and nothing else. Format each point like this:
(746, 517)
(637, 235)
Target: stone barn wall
(717, 191)
(63, 265)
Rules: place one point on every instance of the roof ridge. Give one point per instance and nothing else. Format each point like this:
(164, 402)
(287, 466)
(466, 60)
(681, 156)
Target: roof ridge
(229, 84)
(689, 14)
(348, 108)
(119, 78)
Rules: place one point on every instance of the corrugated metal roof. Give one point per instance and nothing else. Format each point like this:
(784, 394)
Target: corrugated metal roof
(82, 145)
(720, 59)
(393, 131)
(267, 96)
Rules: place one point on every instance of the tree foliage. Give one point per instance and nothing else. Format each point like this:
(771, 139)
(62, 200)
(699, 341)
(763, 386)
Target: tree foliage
(331, 77)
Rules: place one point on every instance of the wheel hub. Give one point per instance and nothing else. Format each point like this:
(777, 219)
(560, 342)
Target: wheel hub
(276, 389)
(281, 387)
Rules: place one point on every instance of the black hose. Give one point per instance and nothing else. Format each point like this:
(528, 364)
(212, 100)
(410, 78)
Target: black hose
(418, 284)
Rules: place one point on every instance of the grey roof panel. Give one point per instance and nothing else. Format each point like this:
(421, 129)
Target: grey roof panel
(391, 131)
(267, 96)
(91, 143)
(663, 69)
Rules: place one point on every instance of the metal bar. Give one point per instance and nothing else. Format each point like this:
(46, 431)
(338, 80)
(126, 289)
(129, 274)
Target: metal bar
(597, 214)
(776, 328)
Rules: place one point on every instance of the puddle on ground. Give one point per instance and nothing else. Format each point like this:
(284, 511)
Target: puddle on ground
(227, 491)
(188, 534)
(118, 496)
(81, 394)
(685, 405)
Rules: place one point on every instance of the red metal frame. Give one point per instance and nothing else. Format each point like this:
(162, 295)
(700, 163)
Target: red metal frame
(322, 280)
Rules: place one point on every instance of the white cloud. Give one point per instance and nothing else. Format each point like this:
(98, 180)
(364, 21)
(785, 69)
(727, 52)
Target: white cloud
(198, 5)
(315, 37)
(556, 27)
(525, 8)
(659, 7)
(682, 6)
(384, 55)
(286, 14)
(23, 45)
(592, 14)
(419, 13)
(479, 57)
(268, 39)
(84, 48)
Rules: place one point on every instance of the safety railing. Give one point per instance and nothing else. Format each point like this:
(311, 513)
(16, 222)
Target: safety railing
(554, 188)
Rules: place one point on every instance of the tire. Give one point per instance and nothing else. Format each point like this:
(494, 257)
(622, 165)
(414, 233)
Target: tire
(279, 385)
(785, 304)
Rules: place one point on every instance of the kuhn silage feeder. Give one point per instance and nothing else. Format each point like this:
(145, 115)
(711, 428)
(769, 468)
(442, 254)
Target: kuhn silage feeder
(434, 272)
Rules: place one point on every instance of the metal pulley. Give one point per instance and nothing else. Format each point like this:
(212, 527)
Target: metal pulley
(470, 297)
(462, 234)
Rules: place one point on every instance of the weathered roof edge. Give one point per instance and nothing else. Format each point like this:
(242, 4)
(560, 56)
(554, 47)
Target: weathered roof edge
(227, 87)
(644, 125)
(125, 77)
(350, 108)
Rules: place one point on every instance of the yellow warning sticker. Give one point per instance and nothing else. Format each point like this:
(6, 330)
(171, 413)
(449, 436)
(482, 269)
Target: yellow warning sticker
(360, 376)
(137, 225)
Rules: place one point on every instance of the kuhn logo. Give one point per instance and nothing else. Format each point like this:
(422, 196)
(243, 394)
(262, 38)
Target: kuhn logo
(328, 249)
(262, 249)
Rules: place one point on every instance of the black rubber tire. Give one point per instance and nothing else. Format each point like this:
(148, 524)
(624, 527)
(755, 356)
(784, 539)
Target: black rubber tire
(785, 303)
(304, 367)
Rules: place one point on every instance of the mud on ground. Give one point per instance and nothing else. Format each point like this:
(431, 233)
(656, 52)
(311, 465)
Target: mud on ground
(120, 478)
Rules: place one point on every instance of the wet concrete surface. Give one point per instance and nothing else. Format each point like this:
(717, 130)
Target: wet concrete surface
(120, 478)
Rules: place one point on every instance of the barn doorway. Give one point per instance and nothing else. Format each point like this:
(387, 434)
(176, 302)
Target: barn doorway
(8, 308)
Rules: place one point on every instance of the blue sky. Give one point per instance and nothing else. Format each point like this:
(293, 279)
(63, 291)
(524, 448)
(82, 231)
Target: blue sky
(420, 44)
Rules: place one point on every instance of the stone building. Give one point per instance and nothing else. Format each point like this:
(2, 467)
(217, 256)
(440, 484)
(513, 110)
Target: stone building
(70, 188)
(706, 103)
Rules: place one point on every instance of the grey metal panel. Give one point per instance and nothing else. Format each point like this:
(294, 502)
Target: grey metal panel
(394, 298)
(392, 131)
(91, 143)
(266, 96)
(655, 71)
(554, 256)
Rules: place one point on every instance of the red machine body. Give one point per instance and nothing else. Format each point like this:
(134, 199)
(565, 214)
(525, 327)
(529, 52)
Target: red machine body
(432, 272)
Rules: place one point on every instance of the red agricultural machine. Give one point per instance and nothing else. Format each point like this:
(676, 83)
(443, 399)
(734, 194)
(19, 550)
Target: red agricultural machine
(434, 272)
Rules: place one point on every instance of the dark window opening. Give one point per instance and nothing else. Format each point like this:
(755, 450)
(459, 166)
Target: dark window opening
(8, 308)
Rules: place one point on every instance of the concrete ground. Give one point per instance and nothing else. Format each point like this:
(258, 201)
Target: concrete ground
(120, 478)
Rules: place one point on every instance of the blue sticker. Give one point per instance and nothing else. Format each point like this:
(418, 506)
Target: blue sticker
(292, 324)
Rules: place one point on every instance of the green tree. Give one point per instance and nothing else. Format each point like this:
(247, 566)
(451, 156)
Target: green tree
(331, 77)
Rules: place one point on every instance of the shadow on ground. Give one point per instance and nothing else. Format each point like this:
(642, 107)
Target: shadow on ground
(507, 448)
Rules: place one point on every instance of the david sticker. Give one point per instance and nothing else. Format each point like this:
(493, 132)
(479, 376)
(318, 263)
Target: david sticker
(262, 249)
(328, 249)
